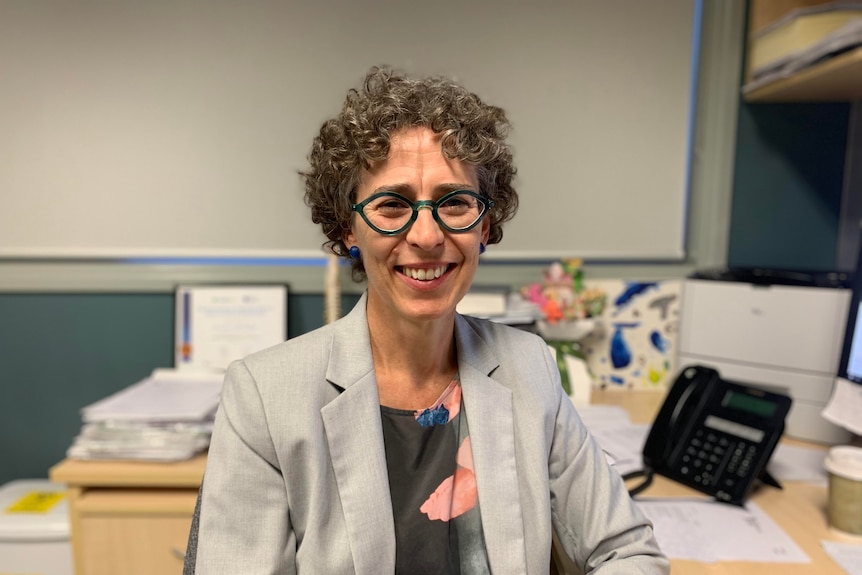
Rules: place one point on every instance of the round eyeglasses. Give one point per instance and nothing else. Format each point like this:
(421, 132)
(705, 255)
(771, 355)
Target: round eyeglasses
(390, 214)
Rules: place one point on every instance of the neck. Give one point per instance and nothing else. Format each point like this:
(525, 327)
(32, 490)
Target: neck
(413, 361)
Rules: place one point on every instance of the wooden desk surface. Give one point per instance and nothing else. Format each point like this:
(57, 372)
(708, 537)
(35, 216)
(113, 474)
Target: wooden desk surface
(799, 508)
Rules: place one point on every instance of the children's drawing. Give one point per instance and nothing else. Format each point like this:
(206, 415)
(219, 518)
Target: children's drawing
(621, 355)
(635, 344)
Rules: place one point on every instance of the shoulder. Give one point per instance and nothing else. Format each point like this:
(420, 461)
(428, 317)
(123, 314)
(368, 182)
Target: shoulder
(289, 372)
(514, 356)
(499, 335)
(521, 362)
(300, 353)
(309, 346)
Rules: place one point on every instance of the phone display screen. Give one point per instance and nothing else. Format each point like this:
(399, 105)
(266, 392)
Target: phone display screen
(751, 404)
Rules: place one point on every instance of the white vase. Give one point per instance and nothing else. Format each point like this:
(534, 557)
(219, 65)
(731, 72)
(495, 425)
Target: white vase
(566, 330)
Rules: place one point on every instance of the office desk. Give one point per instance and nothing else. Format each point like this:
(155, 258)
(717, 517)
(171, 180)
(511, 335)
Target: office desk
(799, 508)
(128, 517)
(133, 518)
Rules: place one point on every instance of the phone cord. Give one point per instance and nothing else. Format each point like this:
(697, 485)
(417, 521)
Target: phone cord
(647, 475)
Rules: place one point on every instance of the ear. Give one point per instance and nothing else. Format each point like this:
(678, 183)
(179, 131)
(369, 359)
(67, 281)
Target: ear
(486, 230)
(349, 239)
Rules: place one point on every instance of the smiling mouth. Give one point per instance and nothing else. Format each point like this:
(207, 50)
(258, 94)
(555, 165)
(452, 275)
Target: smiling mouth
(423, 274)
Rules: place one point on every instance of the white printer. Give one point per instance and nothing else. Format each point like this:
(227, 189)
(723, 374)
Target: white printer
(776, 330)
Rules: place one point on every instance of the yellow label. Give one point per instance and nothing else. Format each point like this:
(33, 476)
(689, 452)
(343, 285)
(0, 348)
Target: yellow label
(36, 502)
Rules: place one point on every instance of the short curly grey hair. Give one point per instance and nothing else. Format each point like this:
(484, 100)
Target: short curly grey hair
(389, 101)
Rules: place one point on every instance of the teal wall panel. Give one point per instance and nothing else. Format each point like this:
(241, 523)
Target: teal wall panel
(60, 352)
(787, 186)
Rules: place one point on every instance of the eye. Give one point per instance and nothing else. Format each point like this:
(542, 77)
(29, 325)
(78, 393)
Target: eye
(459, 203)
(392, 203)
(389, 207)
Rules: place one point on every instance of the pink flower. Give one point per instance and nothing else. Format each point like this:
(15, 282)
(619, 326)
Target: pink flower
(457, 494)
(533, 293)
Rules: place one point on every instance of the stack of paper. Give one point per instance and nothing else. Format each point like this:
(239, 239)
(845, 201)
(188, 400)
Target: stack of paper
(803, 38)
(165, 417)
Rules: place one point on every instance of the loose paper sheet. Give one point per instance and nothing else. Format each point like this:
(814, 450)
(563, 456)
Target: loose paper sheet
(621, 440)
(845, 405)
(795, 463)
(847, 555)
(710, 531)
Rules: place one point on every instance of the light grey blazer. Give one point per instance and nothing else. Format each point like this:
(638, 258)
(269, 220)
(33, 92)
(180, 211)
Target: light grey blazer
(296, 479)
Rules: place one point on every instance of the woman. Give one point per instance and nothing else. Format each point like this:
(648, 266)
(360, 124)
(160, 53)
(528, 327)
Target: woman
(404, 437)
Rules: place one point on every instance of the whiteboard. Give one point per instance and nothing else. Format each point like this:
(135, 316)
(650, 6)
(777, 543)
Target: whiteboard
(176, 129)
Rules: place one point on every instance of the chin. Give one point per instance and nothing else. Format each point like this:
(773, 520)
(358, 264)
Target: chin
(429, 311)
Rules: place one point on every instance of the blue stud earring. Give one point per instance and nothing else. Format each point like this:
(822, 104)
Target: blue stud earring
(354, 252)
(481, 248)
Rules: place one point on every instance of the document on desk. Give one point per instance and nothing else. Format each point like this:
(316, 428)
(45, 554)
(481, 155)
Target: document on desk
(624, 445)
(709, 531)
(845, 405)
(796, 463)
(621, 440)
(847, 555)
(165, 396)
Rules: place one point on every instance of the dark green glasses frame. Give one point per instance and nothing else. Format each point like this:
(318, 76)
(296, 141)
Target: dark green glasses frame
(431, 204)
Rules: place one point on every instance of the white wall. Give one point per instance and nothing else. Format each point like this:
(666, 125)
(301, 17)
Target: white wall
(708, 208)
(177, 128)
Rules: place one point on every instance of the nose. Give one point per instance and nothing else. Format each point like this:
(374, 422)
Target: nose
(425, 232)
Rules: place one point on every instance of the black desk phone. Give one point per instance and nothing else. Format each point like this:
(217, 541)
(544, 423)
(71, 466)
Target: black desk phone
(714, 435)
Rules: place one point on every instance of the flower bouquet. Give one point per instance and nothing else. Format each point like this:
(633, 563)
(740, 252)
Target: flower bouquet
(568, 310)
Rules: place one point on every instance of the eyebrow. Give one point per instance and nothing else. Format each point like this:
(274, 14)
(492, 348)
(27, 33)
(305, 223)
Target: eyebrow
(439, 190)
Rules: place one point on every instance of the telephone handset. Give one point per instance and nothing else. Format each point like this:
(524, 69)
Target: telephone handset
(714, 435)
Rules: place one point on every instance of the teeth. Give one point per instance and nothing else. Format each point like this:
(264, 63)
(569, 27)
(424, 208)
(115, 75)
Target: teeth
(425, 274)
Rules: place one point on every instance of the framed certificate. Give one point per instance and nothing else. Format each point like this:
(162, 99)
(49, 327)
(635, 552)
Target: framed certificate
(216, 324)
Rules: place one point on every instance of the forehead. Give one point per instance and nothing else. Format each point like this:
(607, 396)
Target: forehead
(416, 162)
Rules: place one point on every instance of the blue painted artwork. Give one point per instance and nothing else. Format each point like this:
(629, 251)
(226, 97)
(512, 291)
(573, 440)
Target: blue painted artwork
(621, 354)
(617, 379)
(659, 341)
(662, 304)
(632, 289)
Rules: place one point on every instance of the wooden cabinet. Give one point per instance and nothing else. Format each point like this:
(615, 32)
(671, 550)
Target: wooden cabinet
(130, 518)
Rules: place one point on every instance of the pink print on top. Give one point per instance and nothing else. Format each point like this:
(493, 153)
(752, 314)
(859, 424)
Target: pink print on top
(457, 494)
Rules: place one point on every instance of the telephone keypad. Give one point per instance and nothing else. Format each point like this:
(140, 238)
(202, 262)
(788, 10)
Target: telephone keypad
(706, 452)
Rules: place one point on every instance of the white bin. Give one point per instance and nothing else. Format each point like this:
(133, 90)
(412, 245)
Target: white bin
(34, 529)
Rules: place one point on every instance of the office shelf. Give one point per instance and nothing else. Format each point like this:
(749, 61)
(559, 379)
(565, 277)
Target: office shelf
(838, 79)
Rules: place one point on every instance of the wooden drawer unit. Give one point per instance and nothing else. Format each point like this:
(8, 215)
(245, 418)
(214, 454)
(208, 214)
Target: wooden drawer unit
(130, 518)
(134, 532)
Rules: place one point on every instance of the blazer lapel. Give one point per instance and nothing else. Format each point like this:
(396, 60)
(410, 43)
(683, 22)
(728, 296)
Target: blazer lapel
(488, 405)
(354, 433)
